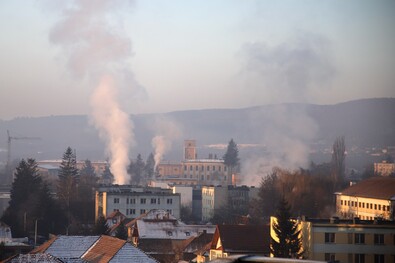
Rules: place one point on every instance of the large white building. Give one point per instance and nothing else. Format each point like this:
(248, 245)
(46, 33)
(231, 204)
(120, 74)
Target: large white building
(369, 199)
(133, 201)
(196, 171)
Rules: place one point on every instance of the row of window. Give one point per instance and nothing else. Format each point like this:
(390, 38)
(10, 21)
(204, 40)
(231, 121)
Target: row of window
(358, 258)
(359, 238)
(363, 205)
(132, 211)
(219, 168)
(143, 201)
(201, 177)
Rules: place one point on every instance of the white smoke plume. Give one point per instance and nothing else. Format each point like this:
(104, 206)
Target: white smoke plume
(293, 72)
(96, 49)
(167, 131)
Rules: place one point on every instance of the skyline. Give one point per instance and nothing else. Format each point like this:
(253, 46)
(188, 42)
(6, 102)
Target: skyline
(224, 54)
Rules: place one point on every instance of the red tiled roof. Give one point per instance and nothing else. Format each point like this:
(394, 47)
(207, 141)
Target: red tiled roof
(376, 187)
(243, 238)
(104, 249)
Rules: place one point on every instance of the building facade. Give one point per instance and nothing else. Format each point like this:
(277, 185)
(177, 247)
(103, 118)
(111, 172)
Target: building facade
(384, 168)
(133, 201)
(215, 197)
(194, 171)
(341, 240)
(368, 199)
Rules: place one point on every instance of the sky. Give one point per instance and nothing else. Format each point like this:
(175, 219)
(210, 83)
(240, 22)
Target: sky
(182, 55)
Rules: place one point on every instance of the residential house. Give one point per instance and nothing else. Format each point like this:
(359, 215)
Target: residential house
(162, 236)
(368, 199)
(11, 246)
(97, 249)
(231, 240)
(197, 247)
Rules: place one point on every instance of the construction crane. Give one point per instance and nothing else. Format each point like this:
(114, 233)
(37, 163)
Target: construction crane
(10, 138)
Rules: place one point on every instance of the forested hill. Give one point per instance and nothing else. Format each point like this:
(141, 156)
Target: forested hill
(364, 123)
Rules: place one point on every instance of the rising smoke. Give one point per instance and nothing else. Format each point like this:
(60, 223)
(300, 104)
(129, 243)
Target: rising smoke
(291, 72)
(96, 49)
(167, 131)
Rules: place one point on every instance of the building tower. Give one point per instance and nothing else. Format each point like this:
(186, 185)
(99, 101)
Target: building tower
(190, 150)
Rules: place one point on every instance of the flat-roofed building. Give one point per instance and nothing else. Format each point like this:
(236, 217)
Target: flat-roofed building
(368, 199)
(346, 240)
(384, 168)
(133, 201)
(216, 197)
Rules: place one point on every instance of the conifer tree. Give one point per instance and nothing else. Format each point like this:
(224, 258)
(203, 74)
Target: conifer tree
(231, 157)
(101, 227)
(289, 242)
(122, 231)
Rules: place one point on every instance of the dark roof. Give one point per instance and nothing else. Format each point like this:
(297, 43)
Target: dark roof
(376, 187)
(195, 244)
(248, 239)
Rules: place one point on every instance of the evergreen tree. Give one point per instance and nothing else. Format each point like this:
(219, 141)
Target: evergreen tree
(289, 242)
(107, 177)
(136, 170)
(31, 201)
(338, 162)
(86, 189)
(67, 183)
(149, 168)
(122, 231)
(101, 227)
(231, 157)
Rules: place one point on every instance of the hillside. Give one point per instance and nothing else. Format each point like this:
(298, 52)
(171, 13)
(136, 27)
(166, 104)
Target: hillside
(364, 123)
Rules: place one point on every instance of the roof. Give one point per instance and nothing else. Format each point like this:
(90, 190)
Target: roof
(248, 239)
(71, 246)
(98, 249)
(104, 249)
(198, 243)
(40, 257)
(376, 187)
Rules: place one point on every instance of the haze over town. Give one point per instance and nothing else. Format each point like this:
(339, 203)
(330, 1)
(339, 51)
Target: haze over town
(187, 55)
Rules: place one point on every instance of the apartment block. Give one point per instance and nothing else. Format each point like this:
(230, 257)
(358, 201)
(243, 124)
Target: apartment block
(133, 201)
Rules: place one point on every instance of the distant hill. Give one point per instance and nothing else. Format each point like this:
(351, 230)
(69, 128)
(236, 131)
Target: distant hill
(364, 123)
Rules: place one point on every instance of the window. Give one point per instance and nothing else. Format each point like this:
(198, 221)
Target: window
(153, 200)
(187, 234)
(379, 207)
(383, 207)
(143, 201)
(127, 200)
(169, 201)
(213, 168)
(127, 212)
(371, 206)
(190, 168)
(116, 200)
(133, 200)
(375, 206)
(352, 203)
(197, 168)
(379, 239)
(219, 168)
(132, 211)
(329, 237)
(378, 258)
(341, 202)
(208, 168)
(330, 257)
(185, 168)
(169, 211)
(359, 238)
(142, 211)
(158, 201)
(359, 258)
(169, 233)
(363, 205)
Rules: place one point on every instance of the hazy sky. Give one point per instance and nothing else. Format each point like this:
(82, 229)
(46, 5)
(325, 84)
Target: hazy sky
(205, 54)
